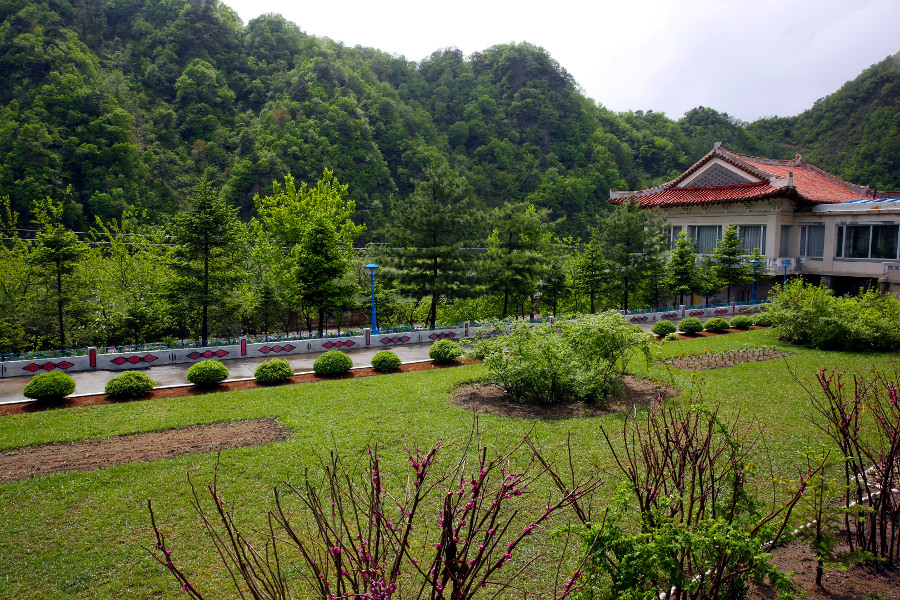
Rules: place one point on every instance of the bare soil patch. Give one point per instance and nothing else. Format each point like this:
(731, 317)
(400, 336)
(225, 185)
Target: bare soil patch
(854, 584)
(728, 358)
(491, 399)
(98, 454)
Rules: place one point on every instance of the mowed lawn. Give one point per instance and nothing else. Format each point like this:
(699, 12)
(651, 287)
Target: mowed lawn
(81, 535)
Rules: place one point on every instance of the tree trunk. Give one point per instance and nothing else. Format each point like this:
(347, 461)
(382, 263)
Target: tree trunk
(204, 327)
(505, 304)
(592, 302)
(321, 320)
(59, 306)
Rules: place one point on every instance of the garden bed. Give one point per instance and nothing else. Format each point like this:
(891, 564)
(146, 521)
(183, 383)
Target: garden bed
(724, 359)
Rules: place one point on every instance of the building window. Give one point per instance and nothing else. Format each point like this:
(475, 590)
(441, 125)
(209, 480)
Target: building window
(753, 237)
(673, 238)
(867, 241)
(785, 248)
(812, 241)
(706, 237)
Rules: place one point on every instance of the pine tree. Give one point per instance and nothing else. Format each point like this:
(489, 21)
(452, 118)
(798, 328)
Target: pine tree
(728, 258)
(682, 268)
(591, 271)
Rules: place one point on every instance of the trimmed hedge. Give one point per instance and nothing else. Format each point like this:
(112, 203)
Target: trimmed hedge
(386, 361)
(716, 324)
(49, 386)
(690, 325)
(273, 371)
(130, 384)
(444, 351)
(741, 322)
(664, 327)
(332, 363)
(207, 372)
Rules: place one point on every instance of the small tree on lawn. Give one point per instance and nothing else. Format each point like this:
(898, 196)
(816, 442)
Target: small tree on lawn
(728, 258)
(591, 271)
(682, 266)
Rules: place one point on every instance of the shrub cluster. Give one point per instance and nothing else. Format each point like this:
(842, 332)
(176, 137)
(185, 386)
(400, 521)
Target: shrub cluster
(332, 364)
(690, 325)
(444, 351)
(763, 319)
(809, 315)
(130, 384)
(49, 386)
(273, 371)
(207, 372)
(716, 324)
(386, 361)
(664, 327)
(741, 322)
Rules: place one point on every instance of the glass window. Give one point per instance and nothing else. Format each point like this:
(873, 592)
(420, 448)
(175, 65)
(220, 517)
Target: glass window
(752, 237)
(676, 231)
(812, 241)
(856, 241)
(706, 237)
(884, 241)
(839, 242)
(785, 249)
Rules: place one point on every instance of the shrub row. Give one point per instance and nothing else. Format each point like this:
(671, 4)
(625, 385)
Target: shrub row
(664, 327)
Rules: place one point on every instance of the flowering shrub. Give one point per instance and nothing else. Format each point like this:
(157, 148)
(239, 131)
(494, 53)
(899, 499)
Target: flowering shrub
(690, 325)
(664, 327)
(444, 351)
(130, 384)
(386, 361)
(207, 372)
(332, 364)
(49, 386)
(273, 371)
(716, 324)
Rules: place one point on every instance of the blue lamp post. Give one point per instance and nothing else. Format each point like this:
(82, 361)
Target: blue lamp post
(785, 262)
(371, 269)
(755, 264)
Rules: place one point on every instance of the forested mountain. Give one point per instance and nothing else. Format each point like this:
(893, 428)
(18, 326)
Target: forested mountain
(130, 102)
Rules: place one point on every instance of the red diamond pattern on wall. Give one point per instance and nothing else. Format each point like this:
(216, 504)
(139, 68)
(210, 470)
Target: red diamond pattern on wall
(121, 360)
(65, 364)
(441, 336)
(395, 340)
(207, 354)
(285, 348)
(49, 366)
(339, 344)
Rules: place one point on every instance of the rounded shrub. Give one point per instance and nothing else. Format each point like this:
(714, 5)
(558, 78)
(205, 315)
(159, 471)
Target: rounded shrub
(273, 371)
(444, 351)
(763, 319)
(130, 384)
(207, 372)
(741, 322)
(386, 361)
(672, 337)
(690, 325)
(332, 363)
(49, 386)
(664, 327)
(716, 324)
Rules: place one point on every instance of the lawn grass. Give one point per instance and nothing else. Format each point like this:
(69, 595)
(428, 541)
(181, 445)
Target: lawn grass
(79, 535)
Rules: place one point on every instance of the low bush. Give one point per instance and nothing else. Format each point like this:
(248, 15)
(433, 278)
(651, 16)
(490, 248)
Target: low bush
(741, 322)
(444, 351)
(672, 337)
(130, 384)
(386, 361)
(273, 371)
(763, 319)
(690, 325)
(664, 327)
(332, 364)
(207, 372)
(49, 386)
(716, 324)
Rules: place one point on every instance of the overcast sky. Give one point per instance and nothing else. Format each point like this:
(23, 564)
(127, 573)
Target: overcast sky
(749, 59)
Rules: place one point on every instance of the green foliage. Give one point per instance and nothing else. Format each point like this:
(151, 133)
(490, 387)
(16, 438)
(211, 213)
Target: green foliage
(207, 372)
(444, 351)
(690, 325)
(728, 260)
(812, 316)
(664, 327)
(273, 371)
(671, 337)
(763, 318)
(130, 384)
(386, 361)
(717, 324)
(49, 386)
(332, 364)
(740, 322)
(681, 268)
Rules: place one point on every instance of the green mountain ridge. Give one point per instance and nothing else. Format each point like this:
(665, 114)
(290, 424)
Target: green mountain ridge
(130, 102)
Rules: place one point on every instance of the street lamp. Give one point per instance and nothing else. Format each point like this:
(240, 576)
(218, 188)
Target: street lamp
(785, 262)
(755, 264)
(371, 269)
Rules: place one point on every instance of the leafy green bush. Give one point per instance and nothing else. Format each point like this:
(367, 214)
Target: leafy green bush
(386, 361)
(664, 327)
(671, 337)
(332, 364)
(273, 371)
(130, 384)
(444, 351)
(207, 372)
(716, 324)
(49, 386)
(690, 325)
(741, 322)
(763, 319)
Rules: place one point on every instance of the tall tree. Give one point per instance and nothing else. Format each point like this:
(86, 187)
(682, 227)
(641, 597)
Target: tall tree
(591, 271)
(682, 266)
(632, 239)
(728, 258)
(205, 259)
(321, 265)
(432, 226)
(56, 253)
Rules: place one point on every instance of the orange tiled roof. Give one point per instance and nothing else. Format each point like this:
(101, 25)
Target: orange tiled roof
(795, 179)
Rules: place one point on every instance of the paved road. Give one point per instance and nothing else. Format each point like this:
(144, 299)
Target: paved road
(93, 382)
